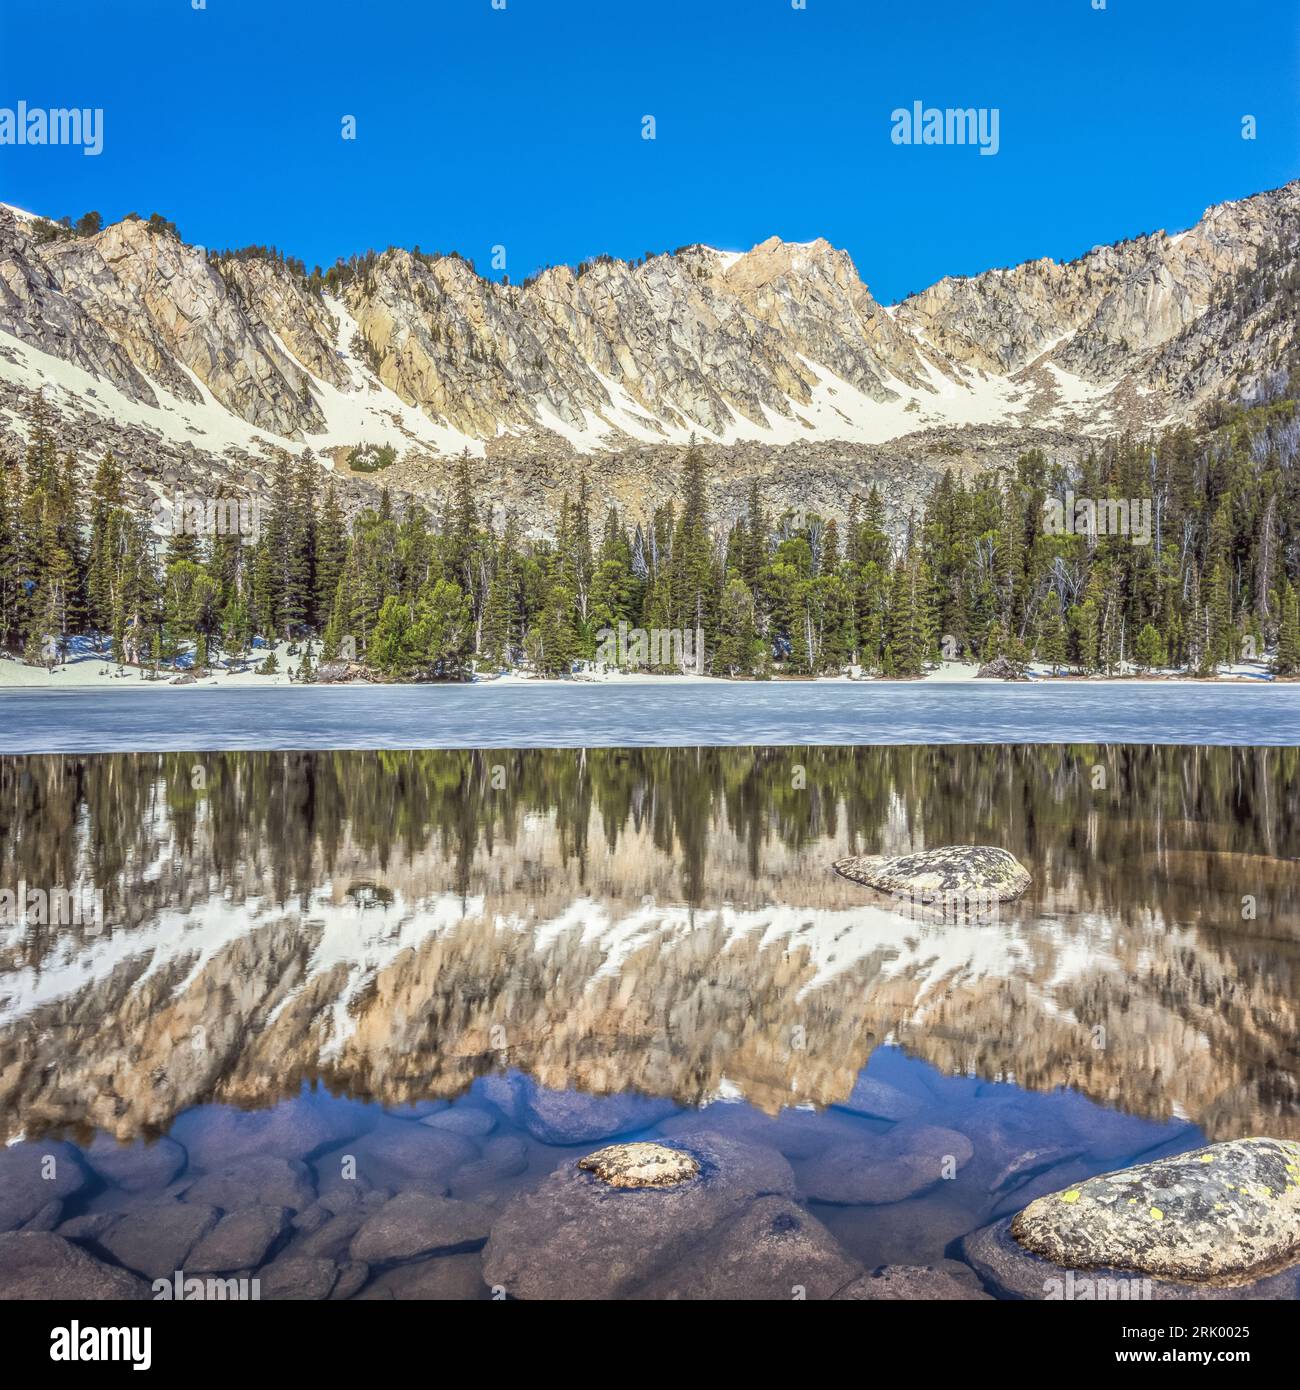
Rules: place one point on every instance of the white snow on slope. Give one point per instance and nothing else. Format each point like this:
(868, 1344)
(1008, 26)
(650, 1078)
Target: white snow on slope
(207, 425)
(368, 414)
(372, 414)
(837, 410)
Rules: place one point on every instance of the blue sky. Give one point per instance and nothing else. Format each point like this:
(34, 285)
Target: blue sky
(522, 127)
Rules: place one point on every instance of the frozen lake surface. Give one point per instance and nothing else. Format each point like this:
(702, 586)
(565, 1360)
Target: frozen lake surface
(663, 713)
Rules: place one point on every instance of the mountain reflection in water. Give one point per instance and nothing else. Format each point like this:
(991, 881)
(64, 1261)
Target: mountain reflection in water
(394, 925)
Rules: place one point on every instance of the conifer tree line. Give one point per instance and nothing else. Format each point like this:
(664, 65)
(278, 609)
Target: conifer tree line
(413, 594)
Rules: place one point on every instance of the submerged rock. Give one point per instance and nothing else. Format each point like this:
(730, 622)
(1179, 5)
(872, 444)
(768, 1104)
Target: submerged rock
(137, 1167)
(39, 1265)
(32, 1176)
(457, 1278)
(241, 1240)
(641, 1165)
(886, 1168)
(568, 1117)
(413, 1224)
(47, 1218)
(331, 1238)
(504, 1090)
(267, 1182)
(352, 1279)
(795, 1133)
(1011, 1271)
(401, 1153)
(155, 1238)
(298, 1278)
(504, 1157)
(465, 1120)
(88, 1227)
(880, 1100)
(944, 873)
(578, 1237)
(1030, 1163)
(772, 1250)
(1225, 1212)
(895, 1283)
(221, 1137)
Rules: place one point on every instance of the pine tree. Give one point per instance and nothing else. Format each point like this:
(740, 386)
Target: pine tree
(110, 525)
(1223, 644)
(1287, 660)
(11, 572)
(462, 534)
(300, 577)
(1050, 646)
(494, 641)
(552, 643)
(754, 544)
(977, 565)
(1086, 628)
(736, 652)
(693, 587)
(48, 574)
(331, 552)
(1148, 649)
(911, 632)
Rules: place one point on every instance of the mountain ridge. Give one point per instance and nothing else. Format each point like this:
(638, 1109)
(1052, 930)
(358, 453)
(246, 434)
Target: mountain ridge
(135, 333)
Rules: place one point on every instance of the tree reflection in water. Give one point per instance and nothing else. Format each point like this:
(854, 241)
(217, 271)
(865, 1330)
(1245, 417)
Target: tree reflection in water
(395, 924)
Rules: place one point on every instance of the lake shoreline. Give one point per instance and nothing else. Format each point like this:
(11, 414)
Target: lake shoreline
(694, 713)
(79, 676)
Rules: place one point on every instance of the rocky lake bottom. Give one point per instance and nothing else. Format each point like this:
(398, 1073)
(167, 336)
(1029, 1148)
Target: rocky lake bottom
(345, 1025)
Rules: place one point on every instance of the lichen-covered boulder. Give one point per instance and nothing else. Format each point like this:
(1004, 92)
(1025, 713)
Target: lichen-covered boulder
(945, 873)
(1011, 1271)
(641, 1165)
(1229, 1211)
